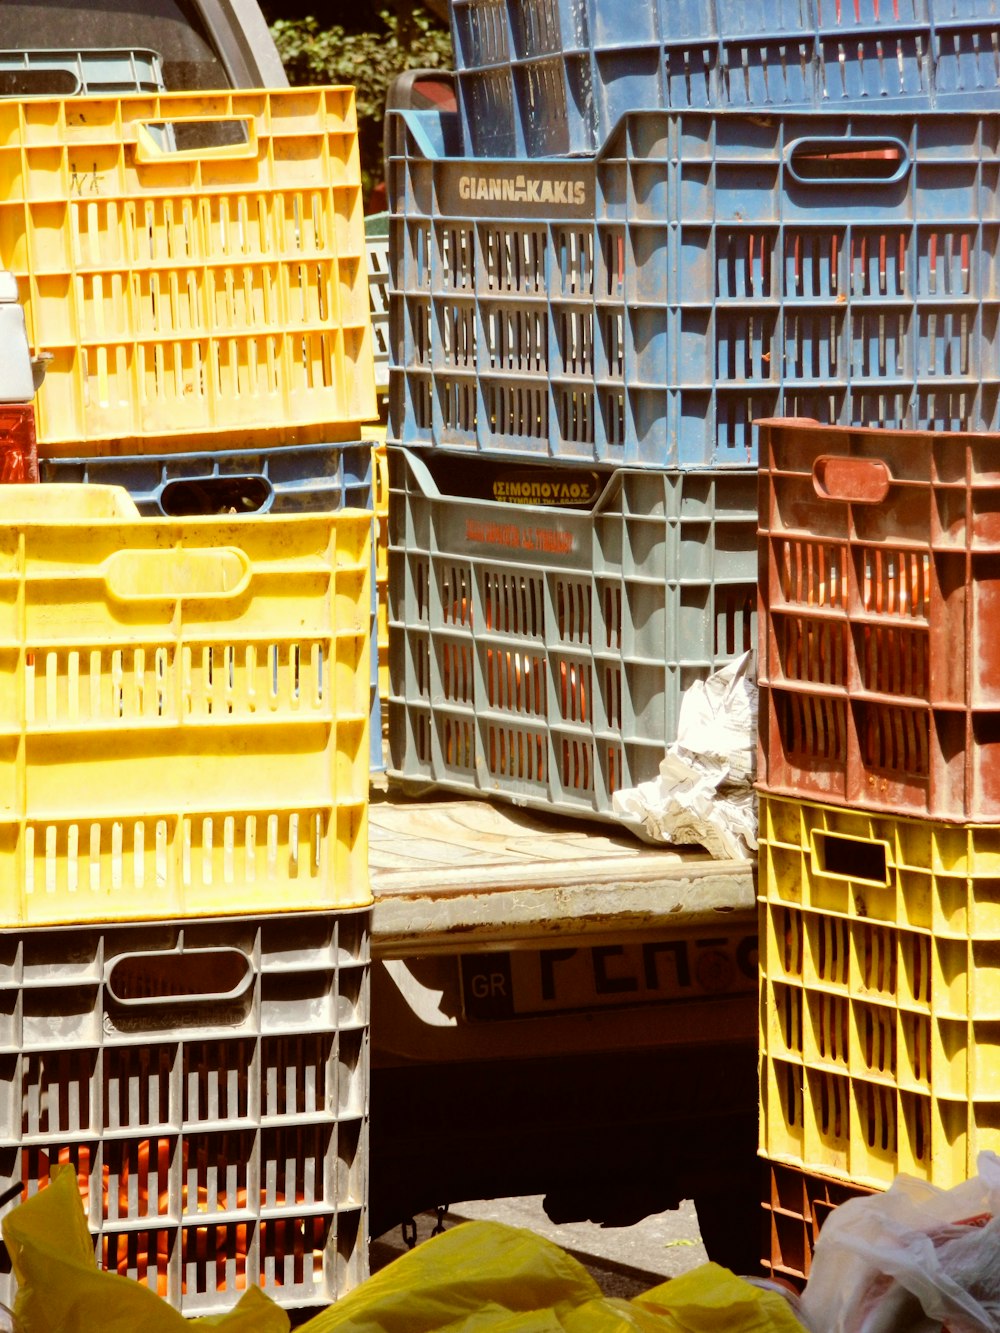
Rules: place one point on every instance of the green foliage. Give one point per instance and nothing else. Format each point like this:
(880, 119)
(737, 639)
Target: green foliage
(369, 60)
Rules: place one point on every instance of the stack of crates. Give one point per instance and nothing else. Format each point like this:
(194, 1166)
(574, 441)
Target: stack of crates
(879, 812)
(647, 229)
(581, 346)
(185, 736)
(559, 576)
(185, 919)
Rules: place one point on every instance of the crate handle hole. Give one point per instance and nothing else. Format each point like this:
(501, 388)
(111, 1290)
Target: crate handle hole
(179, 977)
(850, 858)
(192, 138)
(851, 480)
(216, 495)
(868, 161)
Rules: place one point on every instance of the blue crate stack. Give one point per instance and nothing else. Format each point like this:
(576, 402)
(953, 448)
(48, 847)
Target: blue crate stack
(645, 227)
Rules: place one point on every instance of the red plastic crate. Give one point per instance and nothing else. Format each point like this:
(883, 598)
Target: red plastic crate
(879, 601)
(795, 1204)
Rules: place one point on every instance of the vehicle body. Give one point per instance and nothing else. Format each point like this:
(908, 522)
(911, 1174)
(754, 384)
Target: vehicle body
(563, 1011)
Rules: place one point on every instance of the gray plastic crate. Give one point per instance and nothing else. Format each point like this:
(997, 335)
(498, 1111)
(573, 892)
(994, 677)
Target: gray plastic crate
(285, 479)
(209, 1082)
(539, 653)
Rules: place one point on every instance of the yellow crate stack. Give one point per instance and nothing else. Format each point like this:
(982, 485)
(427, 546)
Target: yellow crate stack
(185, 737)
(194, 271)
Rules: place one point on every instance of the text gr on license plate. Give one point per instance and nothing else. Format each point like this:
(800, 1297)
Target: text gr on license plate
(519, 984)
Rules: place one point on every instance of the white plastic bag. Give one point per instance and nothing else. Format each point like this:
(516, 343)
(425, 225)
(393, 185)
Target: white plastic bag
(911, 1260)
(704, 791)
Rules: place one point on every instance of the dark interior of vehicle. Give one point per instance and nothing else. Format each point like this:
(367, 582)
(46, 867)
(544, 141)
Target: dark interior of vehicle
(107, 30)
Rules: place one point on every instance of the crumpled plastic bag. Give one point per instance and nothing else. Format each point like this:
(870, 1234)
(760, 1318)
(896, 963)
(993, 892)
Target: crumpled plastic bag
(704, 793)
(484, 1277)
(916, 1258)
(61, 1290)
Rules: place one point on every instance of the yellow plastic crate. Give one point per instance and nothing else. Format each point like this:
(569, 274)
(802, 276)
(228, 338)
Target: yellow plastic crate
(880, 993)
(184, 710)
(193, 263)
(380, 495)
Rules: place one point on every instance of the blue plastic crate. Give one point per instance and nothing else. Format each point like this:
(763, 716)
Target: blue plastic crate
(209, 1080)
(645, 307)
(542, 637)
(288, 479)
(544, 77)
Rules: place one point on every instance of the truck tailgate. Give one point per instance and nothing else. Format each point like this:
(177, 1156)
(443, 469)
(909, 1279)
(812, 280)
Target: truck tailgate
(452, 876)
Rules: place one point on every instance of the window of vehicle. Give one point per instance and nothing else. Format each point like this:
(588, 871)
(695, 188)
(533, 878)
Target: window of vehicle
(107, 30)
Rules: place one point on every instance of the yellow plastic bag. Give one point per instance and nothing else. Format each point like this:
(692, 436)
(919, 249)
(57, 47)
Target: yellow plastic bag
(480, 1275)
(483, 1277)
(710, 1298)
(60, 1289)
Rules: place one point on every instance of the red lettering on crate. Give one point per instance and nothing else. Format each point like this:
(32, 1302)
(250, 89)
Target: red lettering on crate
(492, 534)
(549, 540)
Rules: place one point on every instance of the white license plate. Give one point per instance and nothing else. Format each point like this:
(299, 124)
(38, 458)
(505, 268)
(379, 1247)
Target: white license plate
(519, 984)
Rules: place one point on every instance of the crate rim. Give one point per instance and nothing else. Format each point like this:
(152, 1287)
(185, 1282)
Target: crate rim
(896, 109)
